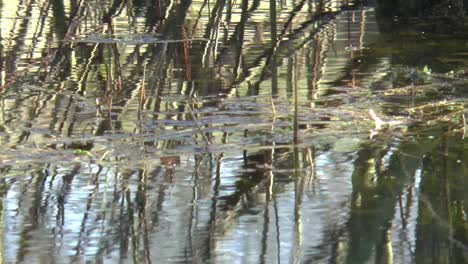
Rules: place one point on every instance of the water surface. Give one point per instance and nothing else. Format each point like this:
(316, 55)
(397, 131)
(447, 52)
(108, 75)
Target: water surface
(228, 132)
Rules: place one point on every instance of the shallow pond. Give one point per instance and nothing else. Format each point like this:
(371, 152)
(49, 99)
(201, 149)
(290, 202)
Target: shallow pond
(229, 132)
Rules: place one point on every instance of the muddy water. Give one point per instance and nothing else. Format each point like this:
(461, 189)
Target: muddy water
(228, 132)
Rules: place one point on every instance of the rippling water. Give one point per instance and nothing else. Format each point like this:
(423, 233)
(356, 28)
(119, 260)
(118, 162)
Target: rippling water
(227, 132)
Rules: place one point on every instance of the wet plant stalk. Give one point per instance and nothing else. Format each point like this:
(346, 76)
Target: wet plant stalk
(273, 108)
(296, 104)
(197, 125)
(463, 121)
(142, 91)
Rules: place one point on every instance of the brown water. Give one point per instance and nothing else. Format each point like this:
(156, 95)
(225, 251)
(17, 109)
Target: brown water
(228, 132)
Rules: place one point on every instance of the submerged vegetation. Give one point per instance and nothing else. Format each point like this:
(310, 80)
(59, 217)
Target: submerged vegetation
(213, 131)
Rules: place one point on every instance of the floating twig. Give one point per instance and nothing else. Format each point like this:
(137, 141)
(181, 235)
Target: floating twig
(381, 124)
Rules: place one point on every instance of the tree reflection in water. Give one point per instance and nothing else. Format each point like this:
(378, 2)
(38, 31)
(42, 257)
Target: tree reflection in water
(248, 143)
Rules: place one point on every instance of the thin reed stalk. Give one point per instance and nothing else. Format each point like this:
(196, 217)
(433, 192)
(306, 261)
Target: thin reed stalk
(197, 125)
(142, 91)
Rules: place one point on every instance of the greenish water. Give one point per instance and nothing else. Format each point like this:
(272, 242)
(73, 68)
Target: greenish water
(230, 132)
